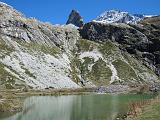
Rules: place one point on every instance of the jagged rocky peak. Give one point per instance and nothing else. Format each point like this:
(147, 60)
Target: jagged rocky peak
(117, 16)
(75, 18)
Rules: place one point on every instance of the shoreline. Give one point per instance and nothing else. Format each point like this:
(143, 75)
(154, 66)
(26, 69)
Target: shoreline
(11, 100)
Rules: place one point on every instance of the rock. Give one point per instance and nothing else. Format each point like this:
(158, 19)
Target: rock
(151, 20)
(154, 87)
(128, 37)
(113, 89)
(75, 19)
(121, 33)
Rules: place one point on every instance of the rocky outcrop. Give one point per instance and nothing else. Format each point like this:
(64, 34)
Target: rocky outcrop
(130, 38)
(113, 89)
(75, 19)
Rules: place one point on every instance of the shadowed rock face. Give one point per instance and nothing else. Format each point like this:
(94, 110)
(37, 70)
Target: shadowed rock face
(75, 19)
(127, 36)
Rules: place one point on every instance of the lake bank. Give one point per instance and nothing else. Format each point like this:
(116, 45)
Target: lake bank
(149, 110)
(77, 107)
(11, 100)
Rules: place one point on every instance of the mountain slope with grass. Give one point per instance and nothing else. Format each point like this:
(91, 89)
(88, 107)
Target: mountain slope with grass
(37, 55)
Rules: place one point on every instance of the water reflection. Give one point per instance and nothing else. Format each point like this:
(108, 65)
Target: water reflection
(81, 107)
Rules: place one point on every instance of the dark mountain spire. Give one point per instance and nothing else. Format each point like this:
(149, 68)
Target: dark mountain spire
(75, 19)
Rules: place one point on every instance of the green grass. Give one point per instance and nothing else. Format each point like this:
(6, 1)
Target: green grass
(29, 73)
(52, 50)
(139, 67)
(100, 73)
(10, 103)
(125, 72)
(5, 49)
(84, 66)
(108, 48)
(74, 72)
(86, 45)
(6, 78)
(150, 112)
(79, 68)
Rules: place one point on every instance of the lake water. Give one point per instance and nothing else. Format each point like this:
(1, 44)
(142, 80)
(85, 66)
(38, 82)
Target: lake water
(76, 107)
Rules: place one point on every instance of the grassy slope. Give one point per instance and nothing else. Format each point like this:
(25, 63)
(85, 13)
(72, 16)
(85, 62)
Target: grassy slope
(150, 112)
(100, 73)
(128, 67)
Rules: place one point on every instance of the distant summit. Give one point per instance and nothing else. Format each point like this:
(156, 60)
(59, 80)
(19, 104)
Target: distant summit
(75, 19)
(116, 16)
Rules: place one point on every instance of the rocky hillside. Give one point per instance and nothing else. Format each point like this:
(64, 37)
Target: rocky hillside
(138, 46)
(33, 53)
(40, 55)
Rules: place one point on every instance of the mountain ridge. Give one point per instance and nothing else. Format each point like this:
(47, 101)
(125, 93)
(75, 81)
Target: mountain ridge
(117, 16)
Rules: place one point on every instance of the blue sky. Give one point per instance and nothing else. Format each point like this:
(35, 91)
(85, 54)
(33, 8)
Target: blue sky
(57, 11)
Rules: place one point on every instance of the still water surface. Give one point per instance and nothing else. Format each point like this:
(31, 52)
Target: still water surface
(76, 107)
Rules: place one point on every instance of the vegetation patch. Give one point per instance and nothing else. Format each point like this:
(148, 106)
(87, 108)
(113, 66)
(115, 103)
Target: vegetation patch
(108, 48)
(100, 73)
(84, 66)
(6, 78)
(29, 73)
(5, 49)
(86, 45)
(125, 72)
(74, 69)
(10, 103)
(149, 111)
(138, 66)
(52, 50)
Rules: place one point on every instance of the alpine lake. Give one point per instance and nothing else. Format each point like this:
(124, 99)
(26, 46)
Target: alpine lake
(77, 107)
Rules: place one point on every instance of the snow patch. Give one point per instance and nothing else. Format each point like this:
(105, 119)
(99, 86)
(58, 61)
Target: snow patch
(114, 76)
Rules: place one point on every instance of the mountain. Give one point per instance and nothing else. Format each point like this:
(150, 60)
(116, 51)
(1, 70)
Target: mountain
(140, 42)
(75, 19)
(116, 16)
(39, 55)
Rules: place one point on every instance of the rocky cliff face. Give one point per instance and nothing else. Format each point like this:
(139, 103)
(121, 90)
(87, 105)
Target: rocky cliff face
(75, 19)
(40, 55)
